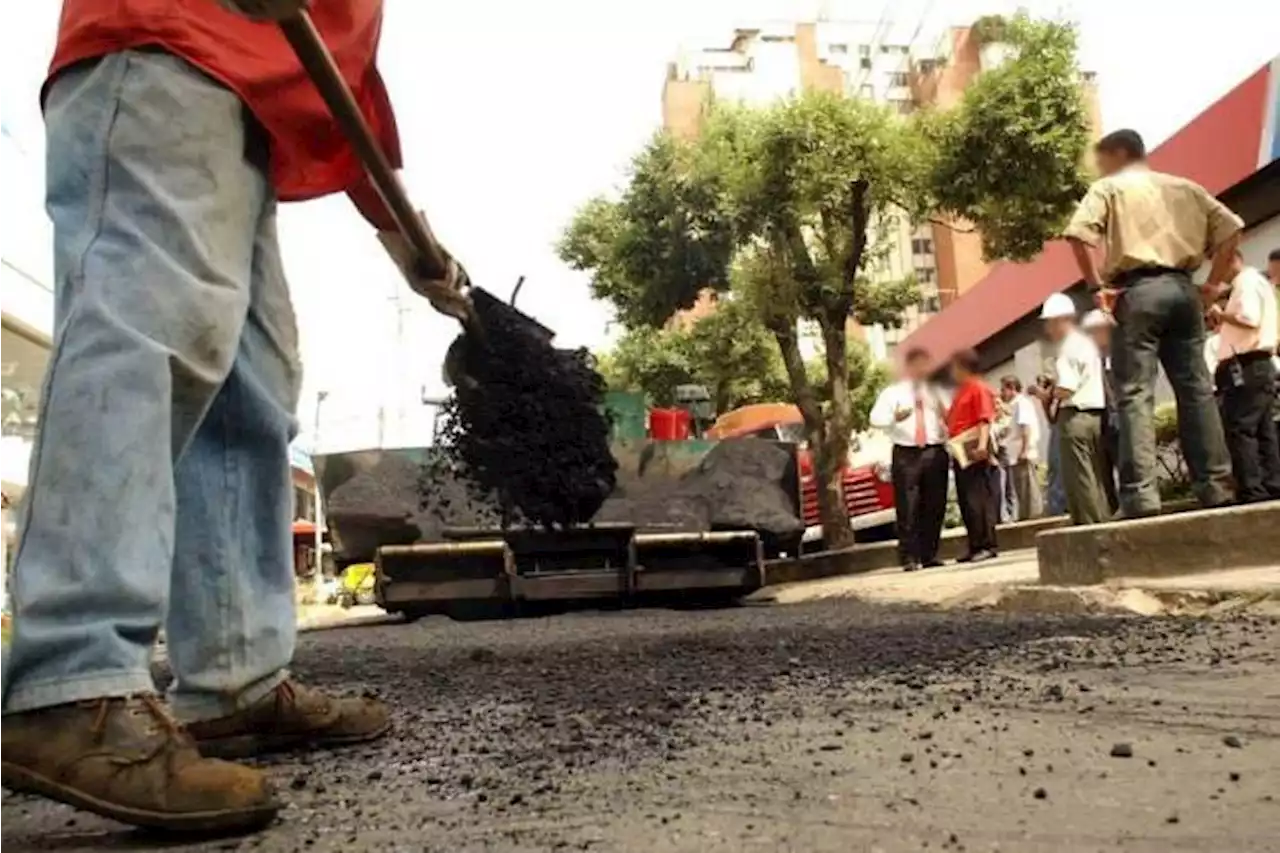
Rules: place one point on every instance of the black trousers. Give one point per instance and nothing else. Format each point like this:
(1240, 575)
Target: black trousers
(920, 497)
(1248, 418)
(1111, 453)
(978, 490)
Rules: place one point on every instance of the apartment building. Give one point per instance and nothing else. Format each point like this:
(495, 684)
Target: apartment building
(906, 65)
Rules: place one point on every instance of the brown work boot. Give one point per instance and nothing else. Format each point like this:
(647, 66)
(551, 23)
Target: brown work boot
(292, 717)
(127, 760)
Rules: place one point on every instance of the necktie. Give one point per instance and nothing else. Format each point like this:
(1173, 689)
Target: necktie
(920, 436)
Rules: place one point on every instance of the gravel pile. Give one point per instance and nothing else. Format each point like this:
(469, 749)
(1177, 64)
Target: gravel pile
(737, 485)
(530, 426)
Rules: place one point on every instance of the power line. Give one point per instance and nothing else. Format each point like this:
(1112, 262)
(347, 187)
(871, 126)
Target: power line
(23, 274)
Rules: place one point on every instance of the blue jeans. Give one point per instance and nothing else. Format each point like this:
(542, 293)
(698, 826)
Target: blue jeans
(160, 488)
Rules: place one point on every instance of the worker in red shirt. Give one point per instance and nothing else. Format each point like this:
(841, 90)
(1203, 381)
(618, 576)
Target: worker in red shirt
(969, 420)
(160, 488)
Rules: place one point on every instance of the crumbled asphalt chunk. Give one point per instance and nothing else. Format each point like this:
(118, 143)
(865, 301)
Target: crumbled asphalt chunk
(1122, 750)
(1040, 794)
(1233, 741)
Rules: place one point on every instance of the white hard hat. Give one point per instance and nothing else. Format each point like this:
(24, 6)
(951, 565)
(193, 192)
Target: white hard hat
(1095, 319)
(1058, 305)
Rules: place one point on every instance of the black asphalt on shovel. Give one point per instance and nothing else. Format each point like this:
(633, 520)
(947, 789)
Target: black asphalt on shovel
(471, 306)
(526, 419)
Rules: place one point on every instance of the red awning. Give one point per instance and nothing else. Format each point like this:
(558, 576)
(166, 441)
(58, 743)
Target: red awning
(304, 528)
(1218, 149)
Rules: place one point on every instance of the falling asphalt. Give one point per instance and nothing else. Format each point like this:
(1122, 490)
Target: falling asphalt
(828, 726)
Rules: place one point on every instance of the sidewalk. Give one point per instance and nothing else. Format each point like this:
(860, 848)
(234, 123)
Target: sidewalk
(1011, 582)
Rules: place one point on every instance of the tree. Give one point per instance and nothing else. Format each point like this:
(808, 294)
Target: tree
(794, 207)
(729, 352)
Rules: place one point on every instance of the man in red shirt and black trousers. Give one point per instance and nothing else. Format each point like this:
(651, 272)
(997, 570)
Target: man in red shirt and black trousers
(973, 408)
(160, 487)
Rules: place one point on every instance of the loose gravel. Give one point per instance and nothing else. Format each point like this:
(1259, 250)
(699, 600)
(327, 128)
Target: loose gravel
(827, 726)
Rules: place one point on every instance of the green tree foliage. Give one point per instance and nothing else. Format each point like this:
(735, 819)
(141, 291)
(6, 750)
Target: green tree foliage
(795, 208)
(729, 352)
(1010, 157)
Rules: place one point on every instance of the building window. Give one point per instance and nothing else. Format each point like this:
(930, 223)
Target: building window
(838, 48)
(925, 275)
(898, 78)
(927, 66)
(921, 246)
(865, 63)
(893, 48)
(930, 304)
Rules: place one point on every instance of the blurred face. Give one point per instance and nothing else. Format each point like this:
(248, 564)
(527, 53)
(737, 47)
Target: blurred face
(916, 369)
(1056, 328)
(1110, 162)
(1007, 393)
(1102, 337)
(958, 373)
(1237, 264)
(1273, 272)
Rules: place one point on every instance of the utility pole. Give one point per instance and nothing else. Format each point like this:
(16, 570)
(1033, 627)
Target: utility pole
(315, 476)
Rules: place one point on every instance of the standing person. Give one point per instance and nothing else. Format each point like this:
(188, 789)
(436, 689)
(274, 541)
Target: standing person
(913, 413)
(1022, 448)
(1079, 388)
(1273, 267)
(1246, 379)
(973, 413)
(1097, 325)
(160, 489)
(1155, 229)
(1055, 497)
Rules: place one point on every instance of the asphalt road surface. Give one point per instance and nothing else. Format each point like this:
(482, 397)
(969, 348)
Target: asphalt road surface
(829, 726)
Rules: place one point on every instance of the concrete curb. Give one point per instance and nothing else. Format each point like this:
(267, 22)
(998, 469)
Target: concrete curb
(1165, 546)
(884, 555)
(344, 619)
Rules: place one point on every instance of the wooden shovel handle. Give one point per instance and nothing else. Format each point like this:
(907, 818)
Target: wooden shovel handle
(318, 62)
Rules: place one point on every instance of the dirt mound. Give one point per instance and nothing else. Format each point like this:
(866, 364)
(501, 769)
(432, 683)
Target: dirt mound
(529, 426)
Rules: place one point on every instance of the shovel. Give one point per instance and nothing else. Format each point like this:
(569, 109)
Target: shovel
(467, 304)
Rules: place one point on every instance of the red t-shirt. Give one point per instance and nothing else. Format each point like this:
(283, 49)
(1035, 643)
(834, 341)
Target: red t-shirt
(974, 403)
(309, 155)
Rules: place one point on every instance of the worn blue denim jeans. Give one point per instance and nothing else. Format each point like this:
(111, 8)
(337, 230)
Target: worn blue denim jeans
(160, 488)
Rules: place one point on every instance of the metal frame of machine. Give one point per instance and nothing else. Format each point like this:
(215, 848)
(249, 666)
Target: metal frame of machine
(483, 569)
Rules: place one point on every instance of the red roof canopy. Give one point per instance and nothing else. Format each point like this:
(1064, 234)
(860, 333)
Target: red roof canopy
(1218, 149)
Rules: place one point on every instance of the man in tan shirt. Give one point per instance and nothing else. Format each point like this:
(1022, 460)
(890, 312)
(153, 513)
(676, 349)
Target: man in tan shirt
(1154, 230)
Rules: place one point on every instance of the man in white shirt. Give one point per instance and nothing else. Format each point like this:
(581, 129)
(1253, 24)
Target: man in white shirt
(1021, 449)
(913, 413)
(1079, 385)
(1245, 379)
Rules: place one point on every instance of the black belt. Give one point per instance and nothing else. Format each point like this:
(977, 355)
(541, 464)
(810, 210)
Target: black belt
(1128, 278)
(1244, 358)
(1081, 411)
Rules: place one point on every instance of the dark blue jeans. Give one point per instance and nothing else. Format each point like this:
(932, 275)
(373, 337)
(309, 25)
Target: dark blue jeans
(1160, 322)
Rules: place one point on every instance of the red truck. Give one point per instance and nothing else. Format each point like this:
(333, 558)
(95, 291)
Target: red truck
(868, 489)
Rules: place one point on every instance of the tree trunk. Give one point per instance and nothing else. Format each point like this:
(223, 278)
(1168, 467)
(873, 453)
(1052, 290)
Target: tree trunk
(833, 454)
(836, 532)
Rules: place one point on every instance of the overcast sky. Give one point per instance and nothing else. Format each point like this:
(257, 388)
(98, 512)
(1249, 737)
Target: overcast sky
(512, 113)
